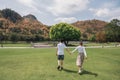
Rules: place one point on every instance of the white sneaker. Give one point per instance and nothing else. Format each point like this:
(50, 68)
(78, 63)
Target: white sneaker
(79, 71)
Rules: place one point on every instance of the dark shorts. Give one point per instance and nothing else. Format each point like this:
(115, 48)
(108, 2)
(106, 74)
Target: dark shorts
(60, 57)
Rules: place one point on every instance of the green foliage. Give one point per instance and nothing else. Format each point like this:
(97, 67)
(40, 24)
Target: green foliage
(14, 37)
(38, 38)
(1, 23)
(113, 30)
(92, 38)
(15, 29)
(1, 36)
(64, 31)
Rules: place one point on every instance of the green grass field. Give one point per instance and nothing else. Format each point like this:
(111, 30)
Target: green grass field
(71, 43)
(41, 63)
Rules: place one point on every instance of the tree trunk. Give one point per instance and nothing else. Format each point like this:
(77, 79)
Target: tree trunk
(1, 44)
(66, 43)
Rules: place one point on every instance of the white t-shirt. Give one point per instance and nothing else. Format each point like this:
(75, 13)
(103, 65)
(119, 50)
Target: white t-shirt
(61, 47)
(81, 49)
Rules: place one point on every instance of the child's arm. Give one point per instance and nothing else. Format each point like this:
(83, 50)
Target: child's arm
(68, 51)
(74, 50)
(85, 53)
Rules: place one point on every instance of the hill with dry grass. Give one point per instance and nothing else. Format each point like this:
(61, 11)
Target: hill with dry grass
(12, 23)
(89, 28)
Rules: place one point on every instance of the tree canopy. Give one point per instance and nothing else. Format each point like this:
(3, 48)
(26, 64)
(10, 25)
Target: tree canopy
(113, 30)
(64, 31)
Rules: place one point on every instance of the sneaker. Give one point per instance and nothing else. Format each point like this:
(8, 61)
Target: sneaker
(61, 68)
(79, 71)
(58, 67)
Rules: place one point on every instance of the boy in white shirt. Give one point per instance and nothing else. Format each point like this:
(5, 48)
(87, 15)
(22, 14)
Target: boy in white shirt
(81, 55)
(60, 54)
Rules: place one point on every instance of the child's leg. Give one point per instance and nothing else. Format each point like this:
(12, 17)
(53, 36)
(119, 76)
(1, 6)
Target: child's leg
(62, 58)
(59, 63)
(79, 69)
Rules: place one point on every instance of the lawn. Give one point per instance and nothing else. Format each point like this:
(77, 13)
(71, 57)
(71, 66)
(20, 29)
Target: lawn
(71, 43)
(41, 63)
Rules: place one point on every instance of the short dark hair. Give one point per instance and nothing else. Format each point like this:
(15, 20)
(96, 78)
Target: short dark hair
(61, 40)
(81, 43)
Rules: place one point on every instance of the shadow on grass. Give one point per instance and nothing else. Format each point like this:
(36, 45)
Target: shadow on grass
(70, 71)
(89, 73)
(83, 72)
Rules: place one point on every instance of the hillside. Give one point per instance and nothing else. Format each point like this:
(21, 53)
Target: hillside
(27, 27)
(13, 26)
(30, 16)
(10, 15)
(89, 28)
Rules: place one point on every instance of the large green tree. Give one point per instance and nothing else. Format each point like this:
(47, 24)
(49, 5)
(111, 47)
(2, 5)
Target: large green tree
(113, 30)
(64, 31)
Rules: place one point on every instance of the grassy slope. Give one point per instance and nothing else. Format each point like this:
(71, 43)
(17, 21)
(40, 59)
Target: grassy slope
(40, 64)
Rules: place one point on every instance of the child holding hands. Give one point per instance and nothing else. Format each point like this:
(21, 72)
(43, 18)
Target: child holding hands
(81, 55)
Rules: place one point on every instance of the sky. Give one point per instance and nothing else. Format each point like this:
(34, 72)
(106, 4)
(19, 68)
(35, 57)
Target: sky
(51, 12)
